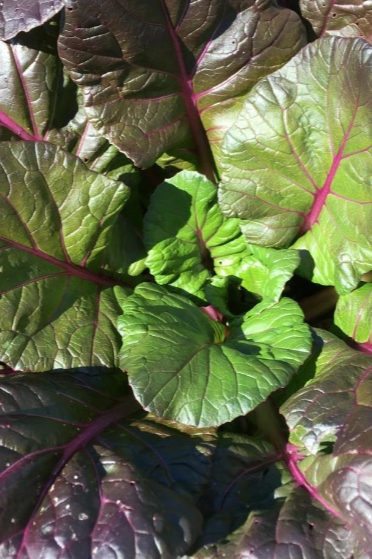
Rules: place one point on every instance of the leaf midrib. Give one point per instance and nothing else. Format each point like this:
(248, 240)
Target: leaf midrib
(70, 268)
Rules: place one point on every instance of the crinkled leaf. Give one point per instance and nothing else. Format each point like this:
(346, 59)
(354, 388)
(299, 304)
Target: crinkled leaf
(183, 366)
(327, 513)
(263, 271)
(98, 484)
(188, 239)
(165, 76)
(39, 101)
(253, 509)
(353, 315)
(339, 17)
(186, 234)
(23, 15)
(344, 482)
(57, 307)
(336, 395)
(331, 419)
(295, 527)
(298, 161)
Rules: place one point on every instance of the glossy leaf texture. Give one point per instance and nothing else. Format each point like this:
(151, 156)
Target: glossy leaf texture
(297, 162)
(58, 307)
(95, 482)
(263, 271)
(312, 498)
(339, 17)
(254, 508)
(23, 15)
(38, 101)
(186, 367)
(170, 76)
(353, 316)
(330, 421)
(189, 240)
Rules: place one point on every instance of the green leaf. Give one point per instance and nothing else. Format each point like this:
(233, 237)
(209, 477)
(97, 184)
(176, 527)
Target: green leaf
(57, 307)
(353, 315)
(188, 239)
(186, 367)
(298, 161)
(264, 271)
(186, 234)
(171, 77)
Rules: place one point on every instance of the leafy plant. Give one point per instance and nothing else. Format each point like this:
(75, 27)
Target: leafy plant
(179, 180)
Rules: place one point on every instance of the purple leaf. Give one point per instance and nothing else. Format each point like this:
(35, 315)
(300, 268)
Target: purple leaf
(170, 76)
(66, 437)
(23, 15)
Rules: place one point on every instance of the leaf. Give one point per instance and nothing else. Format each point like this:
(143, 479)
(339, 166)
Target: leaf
(299, 528)
(188, 240)
(334, 412)
(186, 234)
(185, 367)
(292, 137)
(317, 413)
(57, 308)
(169, 77)
(40, 102)
(353, 315)
(265, 271)
(23, 15)
(339, 17)
(319, 505)
(98, 482)
(255, 510)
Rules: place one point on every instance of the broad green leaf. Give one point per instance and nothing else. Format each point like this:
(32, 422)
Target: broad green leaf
(184, 366)
(264, 271)
(186, 234)
(189, 239)
(339, 17)
(81, 478)
(298, 161)
(169, 75)
(23, 15)
(38, 101)
(353, 315)
(57, 307)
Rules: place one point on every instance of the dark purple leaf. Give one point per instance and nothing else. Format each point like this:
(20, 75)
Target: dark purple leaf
(169, 76)
(78, 480)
